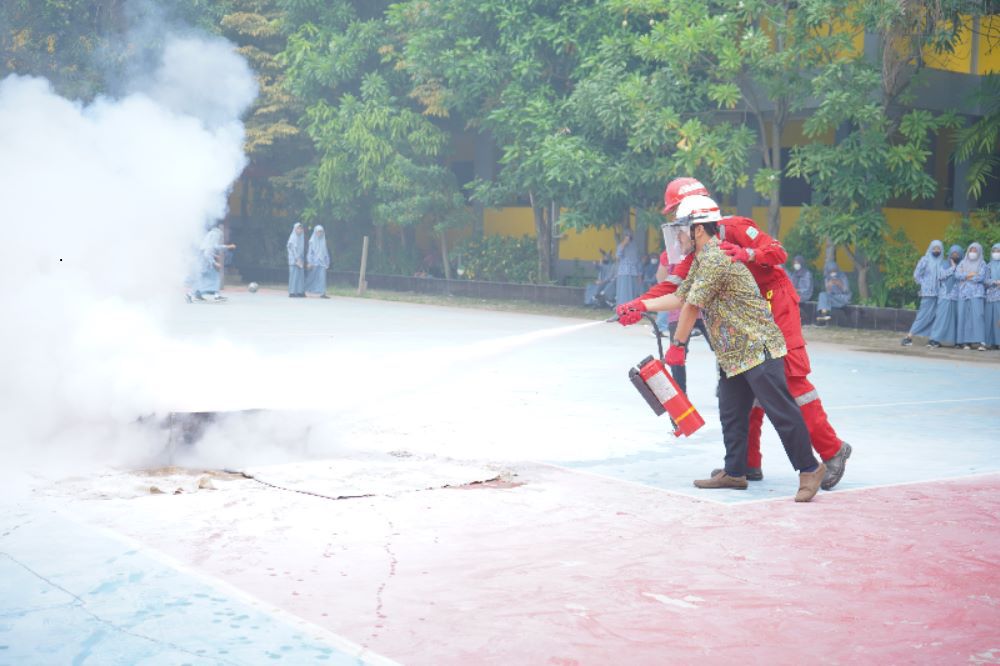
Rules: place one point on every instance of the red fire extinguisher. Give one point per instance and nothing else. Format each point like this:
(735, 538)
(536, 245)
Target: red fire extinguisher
(656, 385)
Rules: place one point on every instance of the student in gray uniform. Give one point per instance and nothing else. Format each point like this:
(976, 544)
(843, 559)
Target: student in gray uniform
(211, 254)
(970, 274)
(296, 247)
(629, 277)
(836, 293)
(943, 330)
(597, 293)
(802, 279)
(926, 275)
(317, 262)
(992, 307)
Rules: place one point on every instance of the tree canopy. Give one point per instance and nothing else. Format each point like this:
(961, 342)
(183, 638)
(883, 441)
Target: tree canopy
(592, 105)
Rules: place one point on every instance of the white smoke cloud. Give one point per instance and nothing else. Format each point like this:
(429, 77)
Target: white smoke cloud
(100, 206)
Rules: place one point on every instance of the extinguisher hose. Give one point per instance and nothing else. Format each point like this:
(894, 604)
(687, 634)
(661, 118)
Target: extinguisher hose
(656, 329)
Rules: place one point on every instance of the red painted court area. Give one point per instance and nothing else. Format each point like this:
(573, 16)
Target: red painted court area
(561, 567)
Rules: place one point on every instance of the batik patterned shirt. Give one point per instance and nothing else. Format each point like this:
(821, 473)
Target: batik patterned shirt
(741, 327)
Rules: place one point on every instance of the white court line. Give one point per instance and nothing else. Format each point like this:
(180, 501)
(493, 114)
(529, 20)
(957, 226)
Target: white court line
(761, 500)
(906, 404)
(345, 645)
(629, 482)
(839, 491)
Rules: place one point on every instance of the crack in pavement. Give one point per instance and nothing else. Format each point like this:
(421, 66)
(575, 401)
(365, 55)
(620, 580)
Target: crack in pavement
(80, 603)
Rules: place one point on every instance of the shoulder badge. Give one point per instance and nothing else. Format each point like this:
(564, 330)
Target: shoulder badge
(752, 232)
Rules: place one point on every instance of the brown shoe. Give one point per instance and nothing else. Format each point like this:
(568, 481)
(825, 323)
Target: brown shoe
(723, 480)
(753, 473)
(809, 483)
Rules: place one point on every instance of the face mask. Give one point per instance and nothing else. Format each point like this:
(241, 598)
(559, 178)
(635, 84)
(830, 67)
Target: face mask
(973, 256)
(653, 262)
(833, 275)
(954, 257)
(996, 256)
(936, 253)
(797, 267)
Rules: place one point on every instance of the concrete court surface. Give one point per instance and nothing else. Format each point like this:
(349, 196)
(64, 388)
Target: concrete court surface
(517, 503)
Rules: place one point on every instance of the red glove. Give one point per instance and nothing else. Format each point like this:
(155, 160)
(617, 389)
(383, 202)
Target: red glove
(631, 312)
(735, 252)
(675, 355)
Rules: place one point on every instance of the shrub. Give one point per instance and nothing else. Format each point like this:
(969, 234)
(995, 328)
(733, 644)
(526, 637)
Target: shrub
(893, 285)
(981, 226)
(804, 240)
(497, 259)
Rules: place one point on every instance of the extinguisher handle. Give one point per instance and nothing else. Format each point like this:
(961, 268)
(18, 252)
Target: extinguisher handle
(656, 331)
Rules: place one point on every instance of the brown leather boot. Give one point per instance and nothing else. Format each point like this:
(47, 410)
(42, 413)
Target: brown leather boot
(809, 483)
(722, 480)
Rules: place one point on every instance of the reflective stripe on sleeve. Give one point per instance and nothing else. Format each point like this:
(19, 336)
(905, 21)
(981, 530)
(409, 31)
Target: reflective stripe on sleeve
(806, 398)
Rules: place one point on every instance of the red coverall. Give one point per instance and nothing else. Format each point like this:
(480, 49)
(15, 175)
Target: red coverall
(783, 300)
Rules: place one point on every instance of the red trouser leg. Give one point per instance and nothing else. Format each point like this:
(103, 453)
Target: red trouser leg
(753, 436)
(824, 438)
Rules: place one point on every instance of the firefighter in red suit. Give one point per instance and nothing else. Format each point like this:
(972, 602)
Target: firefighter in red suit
(744, 241)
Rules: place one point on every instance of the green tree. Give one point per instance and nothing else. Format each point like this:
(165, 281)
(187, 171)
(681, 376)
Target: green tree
(59, 40)
(737, 58)
(376, 153)
(979, 143)
(274, 188)
(85, 47)
(630, 132)
(507, 68)
(881, 150)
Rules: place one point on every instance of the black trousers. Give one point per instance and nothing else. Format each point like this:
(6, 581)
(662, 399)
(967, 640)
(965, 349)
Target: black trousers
(767, 384)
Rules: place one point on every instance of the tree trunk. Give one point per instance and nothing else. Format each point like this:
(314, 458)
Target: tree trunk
(774, 199)
(406, 239)
(555, 235)
(543, 240)
(830, 251)
(861, 264)
(244, 199)
(444, 254)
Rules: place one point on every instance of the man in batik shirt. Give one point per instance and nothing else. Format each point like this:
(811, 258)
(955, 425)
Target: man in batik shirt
(747, 343)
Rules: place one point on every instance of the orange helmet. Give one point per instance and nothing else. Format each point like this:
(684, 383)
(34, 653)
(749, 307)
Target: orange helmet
(679, 188)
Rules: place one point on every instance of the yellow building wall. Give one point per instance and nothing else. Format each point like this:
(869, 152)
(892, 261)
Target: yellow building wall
(920, 226)
(587, 244)
(961, 59)
(989, 51)
(788, 215)
(513, 221)
(792, 135)
(857, 35)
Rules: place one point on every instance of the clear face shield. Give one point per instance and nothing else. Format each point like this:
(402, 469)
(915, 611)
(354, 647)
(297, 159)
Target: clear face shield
(677, 240)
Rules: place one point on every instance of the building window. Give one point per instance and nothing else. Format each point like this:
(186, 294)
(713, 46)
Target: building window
(794, 191)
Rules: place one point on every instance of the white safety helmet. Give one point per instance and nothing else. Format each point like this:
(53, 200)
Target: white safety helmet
(677, 237)
(697, 209)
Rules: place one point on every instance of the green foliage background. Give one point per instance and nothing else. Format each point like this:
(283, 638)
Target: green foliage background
(593, 105)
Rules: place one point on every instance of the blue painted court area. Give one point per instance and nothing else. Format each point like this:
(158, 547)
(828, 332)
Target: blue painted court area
(908, 419)
(70, 594)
